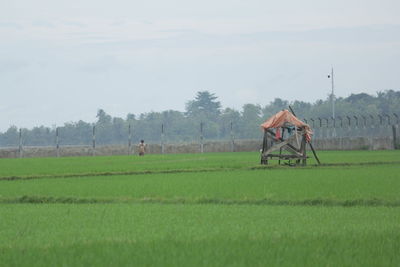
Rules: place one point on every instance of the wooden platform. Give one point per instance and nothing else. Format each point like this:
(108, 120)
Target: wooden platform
(297, 151)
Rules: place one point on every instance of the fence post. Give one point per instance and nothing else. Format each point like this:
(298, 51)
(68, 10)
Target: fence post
(334, 127)
(327, 126)
(313, 124)
(162, 138)
(380, 119)
(341, 121)
(372, 119)
(355, 117)
(348, 130)
(365, 121)
(321, 134)
(57, 144)
(380, 125)
(389, 122)
(94, 140)
(129, 140)
(334, 122)
(395, 146)
(372, 126)
(349, 120)
(397, 118)
(20, 150)
(201, 138)
(232, 139)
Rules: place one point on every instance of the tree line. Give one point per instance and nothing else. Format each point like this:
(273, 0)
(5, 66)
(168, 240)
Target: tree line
(217, 122)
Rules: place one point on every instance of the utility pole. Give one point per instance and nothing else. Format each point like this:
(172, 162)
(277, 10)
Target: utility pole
(57, 144)
(20, 143)
(232, 139)
(332, 93)
(129, 140)
(162, 138)
(333, 100)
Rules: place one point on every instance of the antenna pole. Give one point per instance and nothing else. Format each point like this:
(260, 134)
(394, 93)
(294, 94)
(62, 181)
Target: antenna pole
(333, 96)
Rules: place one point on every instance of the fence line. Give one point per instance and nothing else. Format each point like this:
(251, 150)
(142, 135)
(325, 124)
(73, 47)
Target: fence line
(348, 126)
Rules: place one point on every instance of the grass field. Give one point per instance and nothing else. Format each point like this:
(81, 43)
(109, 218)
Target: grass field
(200, 209)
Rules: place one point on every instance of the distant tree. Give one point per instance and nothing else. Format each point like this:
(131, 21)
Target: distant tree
(204, 109)
(39, 136)
(130, 117)
(354, 98)
(177, 127)
(104, 128)
(10, 137)
(389, 101)
(251, 120)
(205, 104)
(103, 117)
(302, 109)
(75, 133)
(227, 117)
(119, 133)
(273, 107)
(185, 126)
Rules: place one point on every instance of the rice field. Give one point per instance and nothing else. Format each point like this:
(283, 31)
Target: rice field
(214, 209)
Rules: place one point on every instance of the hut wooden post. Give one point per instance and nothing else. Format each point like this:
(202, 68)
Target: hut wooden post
(264, 160)
(129, 140)
(303, 150)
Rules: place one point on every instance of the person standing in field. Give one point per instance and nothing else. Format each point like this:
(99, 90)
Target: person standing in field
(142, 148)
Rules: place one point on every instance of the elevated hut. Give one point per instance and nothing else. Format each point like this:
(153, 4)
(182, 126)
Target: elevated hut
(285, 139)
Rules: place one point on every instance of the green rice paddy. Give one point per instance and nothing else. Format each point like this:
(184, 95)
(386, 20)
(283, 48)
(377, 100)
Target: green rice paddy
(219, 209)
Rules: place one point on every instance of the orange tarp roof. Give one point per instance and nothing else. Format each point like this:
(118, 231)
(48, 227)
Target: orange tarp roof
(285, 116)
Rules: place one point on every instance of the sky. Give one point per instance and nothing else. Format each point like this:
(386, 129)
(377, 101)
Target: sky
(61, 61)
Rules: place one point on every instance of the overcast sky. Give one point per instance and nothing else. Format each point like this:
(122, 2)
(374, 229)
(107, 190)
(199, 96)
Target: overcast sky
(60, 61)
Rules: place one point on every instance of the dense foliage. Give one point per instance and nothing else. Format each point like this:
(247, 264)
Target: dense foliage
(217, 122)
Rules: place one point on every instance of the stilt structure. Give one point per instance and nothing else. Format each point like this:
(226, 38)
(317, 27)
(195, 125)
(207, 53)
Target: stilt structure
(286, 134)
